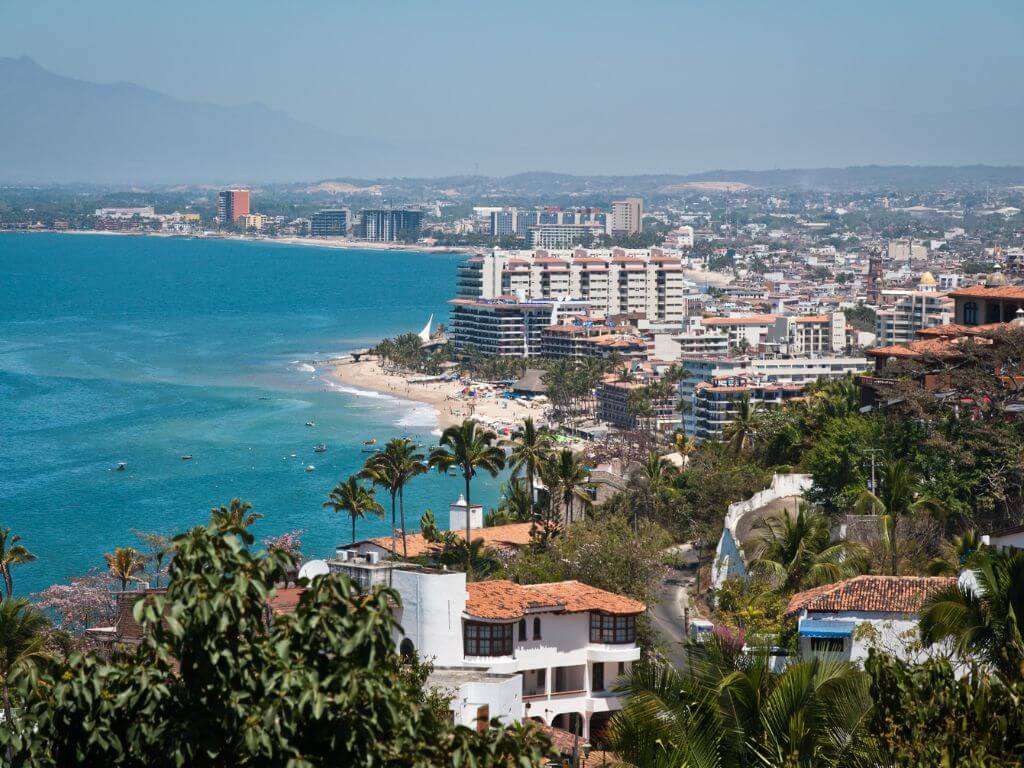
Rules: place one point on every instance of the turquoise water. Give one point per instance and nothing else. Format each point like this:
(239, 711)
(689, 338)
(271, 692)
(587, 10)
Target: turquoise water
(142, 349)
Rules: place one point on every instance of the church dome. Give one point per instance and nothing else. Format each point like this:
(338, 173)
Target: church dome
(995, 280)
(927, 279)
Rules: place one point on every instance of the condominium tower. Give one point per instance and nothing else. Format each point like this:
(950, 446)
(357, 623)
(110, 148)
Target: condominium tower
(232, 204)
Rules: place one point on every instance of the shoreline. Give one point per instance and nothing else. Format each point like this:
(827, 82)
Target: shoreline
(448, 398)
(344, 244)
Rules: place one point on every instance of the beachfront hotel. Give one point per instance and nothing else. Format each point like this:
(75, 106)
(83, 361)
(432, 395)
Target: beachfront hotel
(232, 204)
(506, 325)
(614, 281)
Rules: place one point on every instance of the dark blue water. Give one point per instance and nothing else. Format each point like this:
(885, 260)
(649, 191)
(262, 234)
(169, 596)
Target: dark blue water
(141, 349)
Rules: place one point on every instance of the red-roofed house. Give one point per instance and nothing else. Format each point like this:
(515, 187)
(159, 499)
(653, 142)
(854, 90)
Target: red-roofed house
(850, 617)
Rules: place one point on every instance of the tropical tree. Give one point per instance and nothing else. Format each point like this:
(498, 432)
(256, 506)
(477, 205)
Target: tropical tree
(397, 464)
(739, 434)
(901, 497)
(239, 513)
(532, 448)
(471, 449)
(11, 554)
(22, 646)
(571, 478)
(684, 446)
(729, 709)
(357, 500)
(651, 482)
(482, 561)
(159, 547)
(983, 615)
(124, 563)
(516, 501)
(796, 551)
(956, 554)
(428, 526)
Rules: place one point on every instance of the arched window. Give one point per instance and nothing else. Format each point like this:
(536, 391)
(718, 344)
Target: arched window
(407, 649)
(522, 630)
(536, 629)
(971, 313)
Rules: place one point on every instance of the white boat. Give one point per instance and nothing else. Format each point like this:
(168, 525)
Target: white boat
(310, 468)
(186, 457)
(121, 466)
(320, 447)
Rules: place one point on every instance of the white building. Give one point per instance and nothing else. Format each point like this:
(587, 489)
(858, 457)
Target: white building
(507, 326)
(912, 311)
(627, 216)
(614, 281)
(845, 620)
(548, 652)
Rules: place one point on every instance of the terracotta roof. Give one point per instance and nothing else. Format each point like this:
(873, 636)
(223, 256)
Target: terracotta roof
(741, 320)
(512, 535)
(933, 347)
(502, 599)
(285, 599)
(813, 319)
(995, 292)
(954, 329)
(886, 594)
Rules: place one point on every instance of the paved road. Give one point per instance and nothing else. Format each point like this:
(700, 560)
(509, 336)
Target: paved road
(668, 613)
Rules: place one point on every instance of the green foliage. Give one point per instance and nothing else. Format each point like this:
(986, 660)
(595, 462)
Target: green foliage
(923, 716)
(220, 681)
(836, 461)
(406, 352)
(354, 498)
(861, 317)
(750, 605)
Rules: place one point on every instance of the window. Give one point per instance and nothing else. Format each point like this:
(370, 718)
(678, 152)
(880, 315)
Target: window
(407, 649)
(612, 629)
(622, 668)
(487, 639)
(536, 629)
(827, 644)
(971, 313)
(597, 677)
(522, 630)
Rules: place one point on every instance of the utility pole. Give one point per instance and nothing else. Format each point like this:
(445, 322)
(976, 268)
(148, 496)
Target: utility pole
(873, 451)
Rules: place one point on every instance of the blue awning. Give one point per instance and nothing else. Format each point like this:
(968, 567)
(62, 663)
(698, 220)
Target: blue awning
(826, 628)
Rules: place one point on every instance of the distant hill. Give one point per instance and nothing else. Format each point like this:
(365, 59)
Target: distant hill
(58, 129)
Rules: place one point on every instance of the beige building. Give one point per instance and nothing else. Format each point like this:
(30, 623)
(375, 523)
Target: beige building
(912, 311)
(645, 282)
(627, 216)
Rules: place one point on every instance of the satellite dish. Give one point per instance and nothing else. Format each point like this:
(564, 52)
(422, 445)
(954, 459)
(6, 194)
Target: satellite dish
(314, 568)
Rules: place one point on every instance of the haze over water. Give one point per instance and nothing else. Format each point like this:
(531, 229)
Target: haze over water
(142, 349)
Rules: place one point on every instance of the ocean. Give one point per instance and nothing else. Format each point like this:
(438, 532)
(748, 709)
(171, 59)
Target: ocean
(143, 349)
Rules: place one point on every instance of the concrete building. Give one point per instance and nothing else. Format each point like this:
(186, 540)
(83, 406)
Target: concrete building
(251, 221)
(614, 281)
(332, 222)
(808, 334)
(562, 235)
(614, 406)
(507, 326)
(627, 216)
(232, 204)
(912, 311)
(994, 302)
(582, 340)
(906, 250)
(715, 404)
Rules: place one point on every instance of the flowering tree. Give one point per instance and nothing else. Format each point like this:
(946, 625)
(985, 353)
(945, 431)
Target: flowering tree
(84, 602)
(289, 542)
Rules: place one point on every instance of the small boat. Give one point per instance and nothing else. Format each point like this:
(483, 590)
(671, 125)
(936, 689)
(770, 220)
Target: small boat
(186, 457)
(310, 468)
(371, 441)
(121, 466)
(310, 423)
(320, 447)
(371, 450)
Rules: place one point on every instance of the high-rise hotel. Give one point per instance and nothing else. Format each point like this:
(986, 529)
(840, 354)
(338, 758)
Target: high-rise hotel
(232, 204)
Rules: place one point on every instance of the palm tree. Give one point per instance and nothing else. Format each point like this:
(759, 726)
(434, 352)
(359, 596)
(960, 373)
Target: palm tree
(797, 552)
(516, 500)
(956, 554)
(238, 515)
(11, 553)
(901, 496)
(726, 708)
(399, 462)
(160, 547)
(984, 618)
(124, 563)
(740, 433)
(482, 562)
(356, 499)
(684, 446)
(383, 473)
(532, 448)
(571, 478)
(651, 480)
(22, 646)
(469, 447)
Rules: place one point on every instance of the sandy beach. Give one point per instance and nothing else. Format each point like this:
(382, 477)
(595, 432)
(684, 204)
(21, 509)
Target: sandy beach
(446, 397)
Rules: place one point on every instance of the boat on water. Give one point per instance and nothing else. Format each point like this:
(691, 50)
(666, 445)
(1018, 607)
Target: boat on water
(371, 450)
(371, 441)
(310, 468)
(186, 457)
(310, 423)
(121, 466)
(320, 447)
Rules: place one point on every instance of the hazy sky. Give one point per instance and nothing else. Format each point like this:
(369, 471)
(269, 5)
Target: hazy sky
(579, 86)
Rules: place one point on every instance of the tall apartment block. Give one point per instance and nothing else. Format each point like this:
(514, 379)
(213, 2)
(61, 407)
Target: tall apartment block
(232, 204)
(627, 216)
(329, 223)
(389, 225)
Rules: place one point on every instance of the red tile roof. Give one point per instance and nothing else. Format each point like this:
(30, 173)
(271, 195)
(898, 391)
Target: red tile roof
(953, 329)
(741, 320)
(503, 599)
(885, 594)
(507, 536)
(995, 292)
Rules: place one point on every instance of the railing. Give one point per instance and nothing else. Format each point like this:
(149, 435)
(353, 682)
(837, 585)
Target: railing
(567, 694)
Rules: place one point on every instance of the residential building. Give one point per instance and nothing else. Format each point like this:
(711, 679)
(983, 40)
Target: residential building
(332, 222)
(994, 302)
(715, 404)
(507, 326)
(390, 225)
(614, 281)
(232, 204)
(808, 334)
(143, 212)
(582, 340)
(251, 221)
(906, 250)
(912, 311)
(562, 235)
(846, 619)
(627, 216)
(615, 407)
